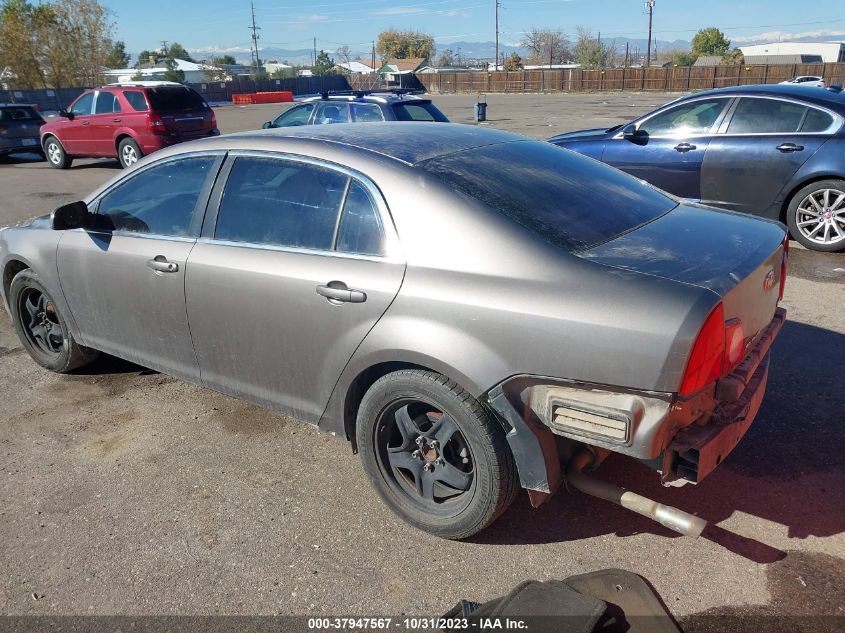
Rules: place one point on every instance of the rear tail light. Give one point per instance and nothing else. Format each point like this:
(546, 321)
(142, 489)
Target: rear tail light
(783, 266)
(156, 124)
(213, 120)
(718, 349)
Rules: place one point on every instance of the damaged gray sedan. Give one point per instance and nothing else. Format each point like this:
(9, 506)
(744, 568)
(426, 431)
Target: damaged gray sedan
(473, 311)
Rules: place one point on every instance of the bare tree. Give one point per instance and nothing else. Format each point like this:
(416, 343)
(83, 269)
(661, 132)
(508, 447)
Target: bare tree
(546, 46)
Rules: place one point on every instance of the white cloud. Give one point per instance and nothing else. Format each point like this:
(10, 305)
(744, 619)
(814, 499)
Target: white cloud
(784, 36)
(399, 11)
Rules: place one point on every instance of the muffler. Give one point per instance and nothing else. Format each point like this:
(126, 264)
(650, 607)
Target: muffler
(672, 518)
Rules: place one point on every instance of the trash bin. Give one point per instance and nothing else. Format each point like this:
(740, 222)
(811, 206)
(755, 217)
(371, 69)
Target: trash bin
(481, 108)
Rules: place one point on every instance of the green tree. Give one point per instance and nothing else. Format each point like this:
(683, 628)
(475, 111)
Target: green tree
(173, 73)
(177, 51)
(590, 51)
(710, 41)
(117, 57)
(733, 57)
(227, 59)
(323, 65)
(513, 62)
(147, 57)
(394, 43)
(447, 59)
(683, 59)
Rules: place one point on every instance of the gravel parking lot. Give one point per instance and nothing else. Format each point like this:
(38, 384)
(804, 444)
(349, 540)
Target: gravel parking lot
(125, 491)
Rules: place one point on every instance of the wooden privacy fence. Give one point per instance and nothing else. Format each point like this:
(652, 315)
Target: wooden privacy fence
(589, 80)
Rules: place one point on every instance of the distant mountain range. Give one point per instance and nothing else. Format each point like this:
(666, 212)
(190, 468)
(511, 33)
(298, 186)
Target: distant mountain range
(486, 50)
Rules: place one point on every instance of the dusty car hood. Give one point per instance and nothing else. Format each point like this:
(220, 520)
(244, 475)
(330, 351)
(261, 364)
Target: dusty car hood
(580, 135)
(695, 245)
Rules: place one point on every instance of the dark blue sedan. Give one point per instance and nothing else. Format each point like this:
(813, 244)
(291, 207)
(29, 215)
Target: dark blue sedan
(776, 151)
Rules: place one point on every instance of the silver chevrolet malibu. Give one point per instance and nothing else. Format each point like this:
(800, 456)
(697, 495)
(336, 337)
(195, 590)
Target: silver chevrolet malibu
(473, 311)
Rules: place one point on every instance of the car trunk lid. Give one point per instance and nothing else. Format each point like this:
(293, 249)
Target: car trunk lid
(19, 122)
(736, 256)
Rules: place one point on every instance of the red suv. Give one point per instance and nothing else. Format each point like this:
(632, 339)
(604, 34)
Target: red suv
(127, 121)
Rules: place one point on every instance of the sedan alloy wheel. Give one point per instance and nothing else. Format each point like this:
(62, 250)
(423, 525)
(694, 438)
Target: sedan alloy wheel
(820, 217)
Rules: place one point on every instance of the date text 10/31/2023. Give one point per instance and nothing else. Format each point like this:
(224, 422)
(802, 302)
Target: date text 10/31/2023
(419, 624)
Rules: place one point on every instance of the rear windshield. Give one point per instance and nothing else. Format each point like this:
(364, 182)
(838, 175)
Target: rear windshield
(19, 113)
(425, 111)
(175, 99)
(568, 200)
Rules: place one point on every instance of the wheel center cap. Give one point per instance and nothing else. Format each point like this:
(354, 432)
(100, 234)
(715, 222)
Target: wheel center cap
(428, 452)
(828, 215)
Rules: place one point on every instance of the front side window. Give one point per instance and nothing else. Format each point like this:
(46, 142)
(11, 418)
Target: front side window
(686, 119)
(766, 116)
(136, 100)
(295, 116)
(360, 229)
(332, 113)
(159, 200)
(280, 203)
(82, 106)
(106, 103)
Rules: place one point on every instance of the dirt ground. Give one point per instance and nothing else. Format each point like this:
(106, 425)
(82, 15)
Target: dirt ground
(124, 491)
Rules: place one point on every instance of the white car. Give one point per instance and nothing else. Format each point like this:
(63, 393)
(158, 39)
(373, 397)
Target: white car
(806, 80)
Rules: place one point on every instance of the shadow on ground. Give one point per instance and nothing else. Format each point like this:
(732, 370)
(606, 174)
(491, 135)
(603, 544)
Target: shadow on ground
(789, 469)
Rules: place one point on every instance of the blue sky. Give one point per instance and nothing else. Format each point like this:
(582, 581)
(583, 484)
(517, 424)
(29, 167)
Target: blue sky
(221, 25)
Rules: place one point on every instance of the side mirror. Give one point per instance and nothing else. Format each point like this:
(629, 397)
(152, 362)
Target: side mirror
(631, 133)
(64, 113)
(74, 215)
(267, 125)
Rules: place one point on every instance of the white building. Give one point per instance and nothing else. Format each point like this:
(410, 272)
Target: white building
(271, 67)
(194, 73)
(830, 52)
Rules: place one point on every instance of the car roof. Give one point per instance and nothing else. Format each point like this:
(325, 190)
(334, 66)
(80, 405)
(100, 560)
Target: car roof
(819, 96)
(410, 142)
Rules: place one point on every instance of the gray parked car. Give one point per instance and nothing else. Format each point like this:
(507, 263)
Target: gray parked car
(469, 308)
(19, 129)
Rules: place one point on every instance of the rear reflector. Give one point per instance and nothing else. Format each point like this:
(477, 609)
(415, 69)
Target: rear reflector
(581, 419)
(707, 359)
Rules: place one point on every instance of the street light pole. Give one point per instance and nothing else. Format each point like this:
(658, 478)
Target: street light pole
(650, 6)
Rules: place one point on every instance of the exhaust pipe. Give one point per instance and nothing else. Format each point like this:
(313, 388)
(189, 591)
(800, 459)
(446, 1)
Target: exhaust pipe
(672, 518)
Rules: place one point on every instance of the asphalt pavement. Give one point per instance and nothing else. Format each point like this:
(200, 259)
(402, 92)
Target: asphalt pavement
(125, 491)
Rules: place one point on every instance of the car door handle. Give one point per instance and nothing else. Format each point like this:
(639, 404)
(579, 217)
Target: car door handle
(684, 147)
(161, 265)
(786, 148)
(338, 291)
(115, 120)
(86, 123)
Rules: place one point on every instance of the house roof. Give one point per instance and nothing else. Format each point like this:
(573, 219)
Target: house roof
(355, 67)
(783, 59)
(406, 65)
(708, 60)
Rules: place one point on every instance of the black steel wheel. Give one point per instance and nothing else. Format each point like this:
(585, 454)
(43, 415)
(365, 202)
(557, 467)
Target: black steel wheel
(42, 330)
(434, 455)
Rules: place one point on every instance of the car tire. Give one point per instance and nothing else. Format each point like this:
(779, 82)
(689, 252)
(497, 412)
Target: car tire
(41, 328)
(813, 216)
(56, 154)
(128, 152)
(412, 420)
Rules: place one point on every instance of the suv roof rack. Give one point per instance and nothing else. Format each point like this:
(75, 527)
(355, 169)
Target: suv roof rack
(399, 92)
(141, 84)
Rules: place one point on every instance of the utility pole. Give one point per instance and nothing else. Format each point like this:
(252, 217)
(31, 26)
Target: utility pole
(626, 53)
(649, 5)
(497, 36)
(164, 48)
(315, 51)
(255, 61)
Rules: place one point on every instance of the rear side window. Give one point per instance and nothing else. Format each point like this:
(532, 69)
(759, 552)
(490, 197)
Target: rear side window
(19, 113)
(360, 224)
(331, 113)
(174, 99)
(766, 116)
(366, 113)
(695, 117)
(159, 200)
(83, 105)
(136, 100)
(280, 203)
(106, 103)
(418, 112)
(816, 121)
(568, 200)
